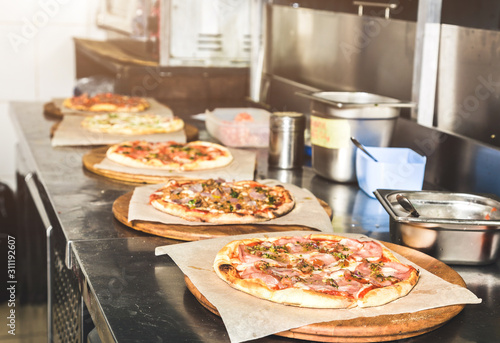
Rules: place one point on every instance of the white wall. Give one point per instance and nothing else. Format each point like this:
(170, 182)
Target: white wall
(37, 59)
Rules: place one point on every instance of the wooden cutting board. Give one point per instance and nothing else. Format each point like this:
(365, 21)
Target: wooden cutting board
(380, 328)
(198, 232)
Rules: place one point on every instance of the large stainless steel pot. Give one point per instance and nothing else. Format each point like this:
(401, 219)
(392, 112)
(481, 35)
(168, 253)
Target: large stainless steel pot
(337, 116)
(456, 228)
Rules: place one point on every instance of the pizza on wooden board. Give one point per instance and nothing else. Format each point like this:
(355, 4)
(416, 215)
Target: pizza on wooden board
(170, 155)
(131, 123)
(222, 202)
(106, 102)
(316, 271)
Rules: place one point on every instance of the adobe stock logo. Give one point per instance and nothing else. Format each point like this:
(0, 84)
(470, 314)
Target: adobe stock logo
(47, 10)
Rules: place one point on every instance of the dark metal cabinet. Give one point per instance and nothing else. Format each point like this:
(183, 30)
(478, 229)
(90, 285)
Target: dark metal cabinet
(46, 277)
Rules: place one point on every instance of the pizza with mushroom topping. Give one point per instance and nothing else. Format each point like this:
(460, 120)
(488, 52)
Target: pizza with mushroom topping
(317, 271)
(170, 155)
(219, 201)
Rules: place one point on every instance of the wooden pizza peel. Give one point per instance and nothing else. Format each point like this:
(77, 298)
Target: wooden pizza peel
(375, 329)
(96, 155)
(197, 232)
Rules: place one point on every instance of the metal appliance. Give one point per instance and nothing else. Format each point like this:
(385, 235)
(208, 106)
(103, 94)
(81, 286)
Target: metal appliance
(49, 282)
(180, 32)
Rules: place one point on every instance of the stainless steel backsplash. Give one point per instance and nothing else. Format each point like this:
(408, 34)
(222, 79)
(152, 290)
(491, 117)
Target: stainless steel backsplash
(310, 49)
(454, 162)
(340, 51)
(468, 93)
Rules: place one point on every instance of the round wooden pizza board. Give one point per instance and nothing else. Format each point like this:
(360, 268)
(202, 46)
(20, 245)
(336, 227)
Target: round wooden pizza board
(96, 155)
(380, 328)
(198, 232)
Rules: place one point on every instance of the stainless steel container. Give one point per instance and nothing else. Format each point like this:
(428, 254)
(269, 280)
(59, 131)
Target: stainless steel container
(337, 116)
(456, 228)
(286, 140)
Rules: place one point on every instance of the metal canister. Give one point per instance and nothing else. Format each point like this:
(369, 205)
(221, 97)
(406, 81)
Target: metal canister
(286, 140)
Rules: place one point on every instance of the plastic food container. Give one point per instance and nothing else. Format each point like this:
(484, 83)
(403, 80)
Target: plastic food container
(456, 228)
(397, 168)
(239, 127)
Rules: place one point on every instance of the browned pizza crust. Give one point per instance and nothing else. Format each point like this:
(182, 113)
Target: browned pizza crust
(290, 296)
(218, 210)
(226, 259)
(106, 102)
(385, 295)
(163, 161)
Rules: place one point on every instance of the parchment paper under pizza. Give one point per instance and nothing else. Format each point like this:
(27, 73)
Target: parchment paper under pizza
(316, 271)
(247, 317)
(71, 132)
(307, 211)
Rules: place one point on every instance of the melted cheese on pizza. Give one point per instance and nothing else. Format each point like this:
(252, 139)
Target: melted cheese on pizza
(118, 121)
(170, 152)
(347, 267)
(120, 101)
(218, 196)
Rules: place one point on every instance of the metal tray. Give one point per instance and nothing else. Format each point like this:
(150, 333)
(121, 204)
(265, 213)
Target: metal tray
(456, 228)
(355, 99)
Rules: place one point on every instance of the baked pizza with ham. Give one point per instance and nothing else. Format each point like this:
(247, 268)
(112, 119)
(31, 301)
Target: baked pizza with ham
(222, 202)
(316, 271)
(170, 155)
(106, 102)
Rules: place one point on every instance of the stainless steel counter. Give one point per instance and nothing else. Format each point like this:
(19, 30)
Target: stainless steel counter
(133, 296)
